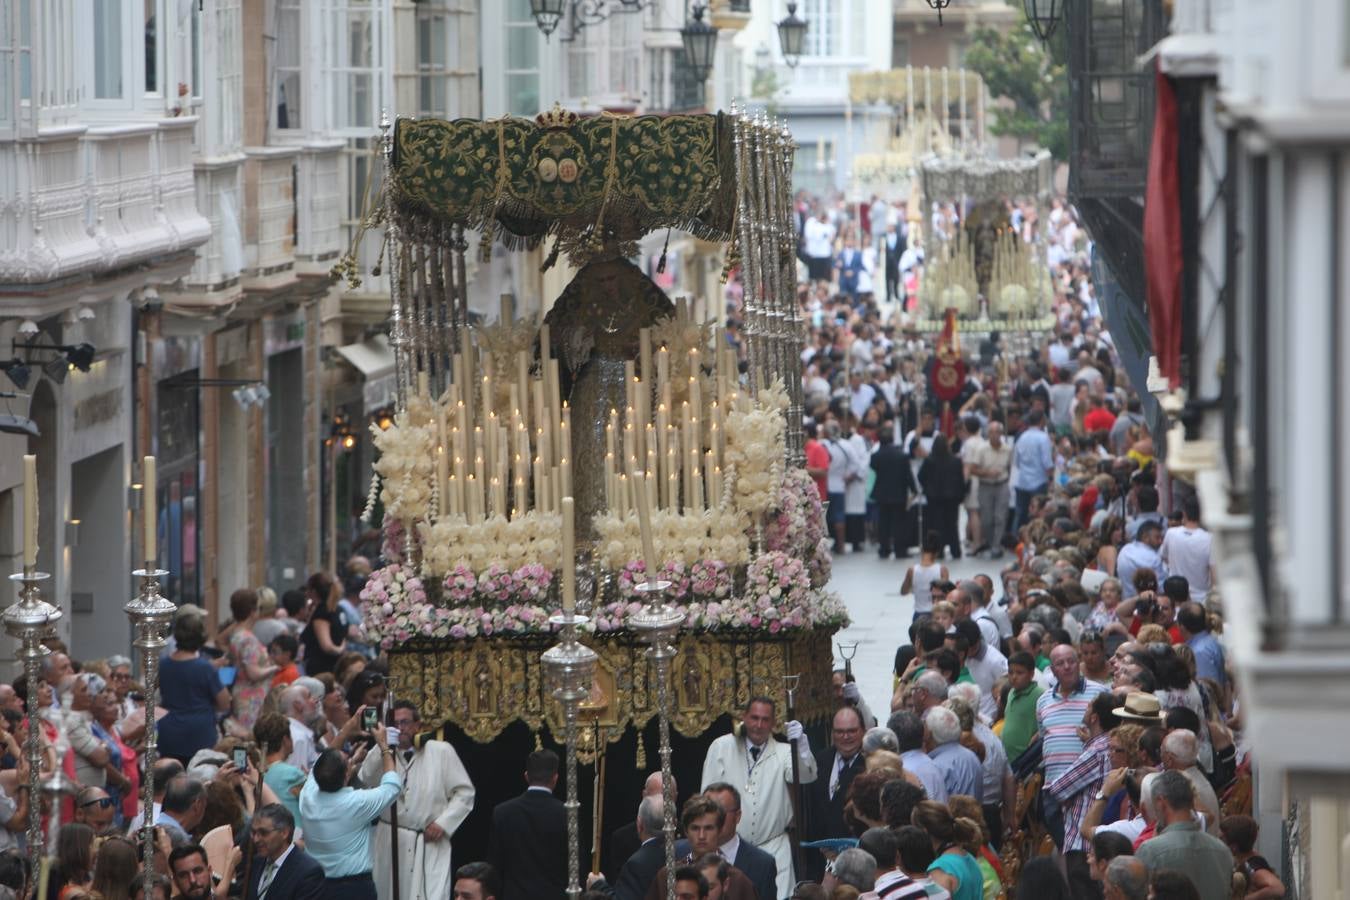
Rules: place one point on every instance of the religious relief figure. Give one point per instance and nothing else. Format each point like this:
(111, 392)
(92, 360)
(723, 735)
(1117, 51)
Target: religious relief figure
(693, 685)
(483, 697)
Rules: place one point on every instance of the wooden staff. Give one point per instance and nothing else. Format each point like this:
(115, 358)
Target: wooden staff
(597, 807)
(257, 805)
(790, 683)
(393, 807)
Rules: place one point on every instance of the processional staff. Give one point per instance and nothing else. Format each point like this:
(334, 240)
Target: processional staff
(790, 684)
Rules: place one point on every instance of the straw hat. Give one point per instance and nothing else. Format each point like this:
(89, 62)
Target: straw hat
(1140, 707)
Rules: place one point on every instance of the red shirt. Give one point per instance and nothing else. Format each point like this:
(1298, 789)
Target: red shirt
(817, 457)
(286, 675)
(1099, 419)
(1173, 632)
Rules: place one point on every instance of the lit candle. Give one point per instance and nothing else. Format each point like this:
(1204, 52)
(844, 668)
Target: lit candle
(565, 470)
(522, 396)
(569, 556)
(555, 404)
(662, 368)
(645, 354)
(30, 509)
(442, 482)
(629, 384)
(540, 486)
(623, 495)
(151, 518)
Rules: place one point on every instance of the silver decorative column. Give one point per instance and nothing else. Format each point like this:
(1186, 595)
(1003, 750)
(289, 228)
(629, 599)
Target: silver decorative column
(30, 620)
(151, 615)
(571, 670)
(659, 623)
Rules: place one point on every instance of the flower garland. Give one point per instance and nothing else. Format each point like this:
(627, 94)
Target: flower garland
(755, 431)
(407, 461)
(798, 526)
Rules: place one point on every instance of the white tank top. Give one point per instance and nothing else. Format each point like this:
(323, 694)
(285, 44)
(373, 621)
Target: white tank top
(924, 576)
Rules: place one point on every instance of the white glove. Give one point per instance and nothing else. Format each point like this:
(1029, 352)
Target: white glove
(796, 733)
(851, 692)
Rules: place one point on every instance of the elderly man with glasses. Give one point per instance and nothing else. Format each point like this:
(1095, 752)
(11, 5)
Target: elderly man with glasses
(437, 796)
(94, 808)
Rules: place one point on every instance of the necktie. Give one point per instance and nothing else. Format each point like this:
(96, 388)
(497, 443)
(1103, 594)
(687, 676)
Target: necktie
(265, 882)
(407, 755)
(755, 752)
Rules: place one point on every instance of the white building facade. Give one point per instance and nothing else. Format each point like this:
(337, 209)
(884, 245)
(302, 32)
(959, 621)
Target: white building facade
(1266, 395)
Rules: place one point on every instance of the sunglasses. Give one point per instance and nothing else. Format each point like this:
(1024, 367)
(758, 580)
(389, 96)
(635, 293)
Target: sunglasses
(101, 802)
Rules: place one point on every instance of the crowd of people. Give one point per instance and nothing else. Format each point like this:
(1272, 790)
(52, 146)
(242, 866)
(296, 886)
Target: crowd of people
(1063, 725)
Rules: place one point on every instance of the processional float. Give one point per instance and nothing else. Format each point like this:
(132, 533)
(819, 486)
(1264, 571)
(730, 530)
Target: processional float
(608, 478)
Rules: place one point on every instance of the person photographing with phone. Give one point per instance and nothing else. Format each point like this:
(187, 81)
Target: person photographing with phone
(337, 817)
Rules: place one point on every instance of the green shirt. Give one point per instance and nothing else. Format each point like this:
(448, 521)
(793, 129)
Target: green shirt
(965, 676)
(1042, 663)
(1019, 720)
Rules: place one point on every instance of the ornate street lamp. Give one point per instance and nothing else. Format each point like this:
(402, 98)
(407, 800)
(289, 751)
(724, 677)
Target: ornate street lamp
(700, 43)
(547, 14)
(1043, 16)
(792, 35)
(939, 5)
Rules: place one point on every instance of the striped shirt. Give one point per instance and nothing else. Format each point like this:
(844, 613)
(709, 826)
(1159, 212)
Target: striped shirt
(1078, 786)
(1057, 720)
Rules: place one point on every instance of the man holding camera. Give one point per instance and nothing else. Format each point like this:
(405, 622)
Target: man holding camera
(337, 817)
(437, 797)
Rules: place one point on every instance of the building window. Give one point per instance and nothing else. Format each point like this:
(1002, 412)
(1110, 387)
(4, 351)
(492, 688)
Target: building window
(288, 104)
(900, 53)
(152, 47)
(227, 63)
(107, 30)
(433, 42)
(522, 60)
(355, 40)
(822, 38)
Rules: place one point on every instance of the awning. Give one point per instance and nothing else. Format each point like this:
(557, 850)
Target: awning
(374, 359)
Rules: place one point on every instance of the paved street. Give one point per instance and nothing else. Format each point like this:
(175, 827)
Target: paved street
(881, 617)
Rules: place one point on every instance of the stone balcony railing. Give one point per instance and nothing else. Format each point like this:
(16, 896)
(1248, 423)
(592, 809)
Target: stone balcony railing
(81, 200)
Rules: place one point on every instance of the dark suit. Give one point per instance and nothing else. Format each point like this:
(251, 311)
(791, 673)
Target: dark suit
(299, 878)
(738, 885)
(825, 814)
(892, 259)
(623, 843)
(637, 874)
(528, 847)
(891, 492)
(759, 867)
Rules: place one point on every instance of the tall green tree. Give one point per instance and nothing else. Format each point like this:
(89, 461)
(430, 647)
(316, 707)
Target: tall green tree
(1016, 66)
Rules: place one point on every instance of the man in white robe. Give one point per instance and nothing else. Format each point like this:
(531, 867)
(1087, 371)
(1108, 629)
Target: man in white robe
(437, 796)
(761, 769)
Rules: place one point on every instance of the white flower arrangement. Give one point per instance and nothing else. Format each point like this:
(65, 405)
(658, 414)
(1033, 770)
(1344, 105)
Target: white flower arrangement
(687, 539)
(679, 338)
(452, 541)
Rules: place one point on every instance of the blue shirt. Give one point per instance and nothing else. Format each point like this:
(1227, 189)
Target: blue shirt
(337, 824)
(960, 769)
(1208, 656)
(917, 761)
(1033, 457)
(1134, 556)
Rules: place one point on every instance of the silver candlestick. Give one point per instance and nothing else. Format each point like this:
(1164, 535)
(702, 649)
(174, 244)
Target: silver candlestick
(659, 623)
(571, 670)
(151, 615)
(30, 620)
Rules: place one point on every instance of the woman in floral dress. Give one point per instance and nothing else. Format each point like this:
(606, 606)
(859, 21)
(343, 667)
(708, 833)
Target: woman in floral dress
(253, 669)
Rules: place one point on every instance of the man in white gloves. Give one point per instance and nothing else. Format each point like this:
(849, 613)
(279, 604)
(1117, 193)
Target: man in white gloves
(846, 693)
(761, 769)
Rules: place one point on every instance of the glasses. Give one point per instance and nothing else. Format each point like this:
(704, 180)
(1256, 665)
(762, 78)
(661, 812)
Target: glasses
(120, 676)
(101, 802)
(264, 832)
(847, 730)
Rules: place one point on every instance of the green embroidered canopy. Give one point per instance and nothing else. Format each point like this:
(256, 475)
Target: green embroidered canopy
(623, 175)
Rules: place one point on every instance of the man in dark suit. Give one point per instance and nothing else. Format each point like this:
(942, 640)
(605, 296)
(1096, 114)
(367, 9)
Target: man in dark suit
(281, 870)
(824, 798)
(637, 873)
(529, 835)
(702, 820)
(757, 865)
(891, 492)
(893, 246)
(624, 840)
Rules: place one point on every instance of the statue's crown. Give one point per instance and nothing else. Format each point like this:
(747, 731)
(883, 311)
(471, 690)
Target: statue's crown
(557, 117)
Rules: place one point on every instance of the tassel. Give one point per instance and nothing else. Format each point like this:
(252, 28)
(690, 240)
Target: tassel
(553, 256)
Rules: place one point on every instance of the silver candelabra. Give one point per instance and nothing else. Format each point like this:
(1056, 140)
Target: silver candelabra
(151, 615)
(30, 620)
(571, 670)
(659, 623)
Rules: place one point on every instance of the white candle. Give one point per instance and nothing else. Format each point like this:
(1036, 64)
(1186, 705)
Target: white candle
(151, 518)
(30, 510)
(644, 521)
(569, 572)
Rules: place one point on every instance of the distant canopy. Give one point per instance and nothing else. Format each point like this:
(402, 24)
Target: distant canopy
(622, 176)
